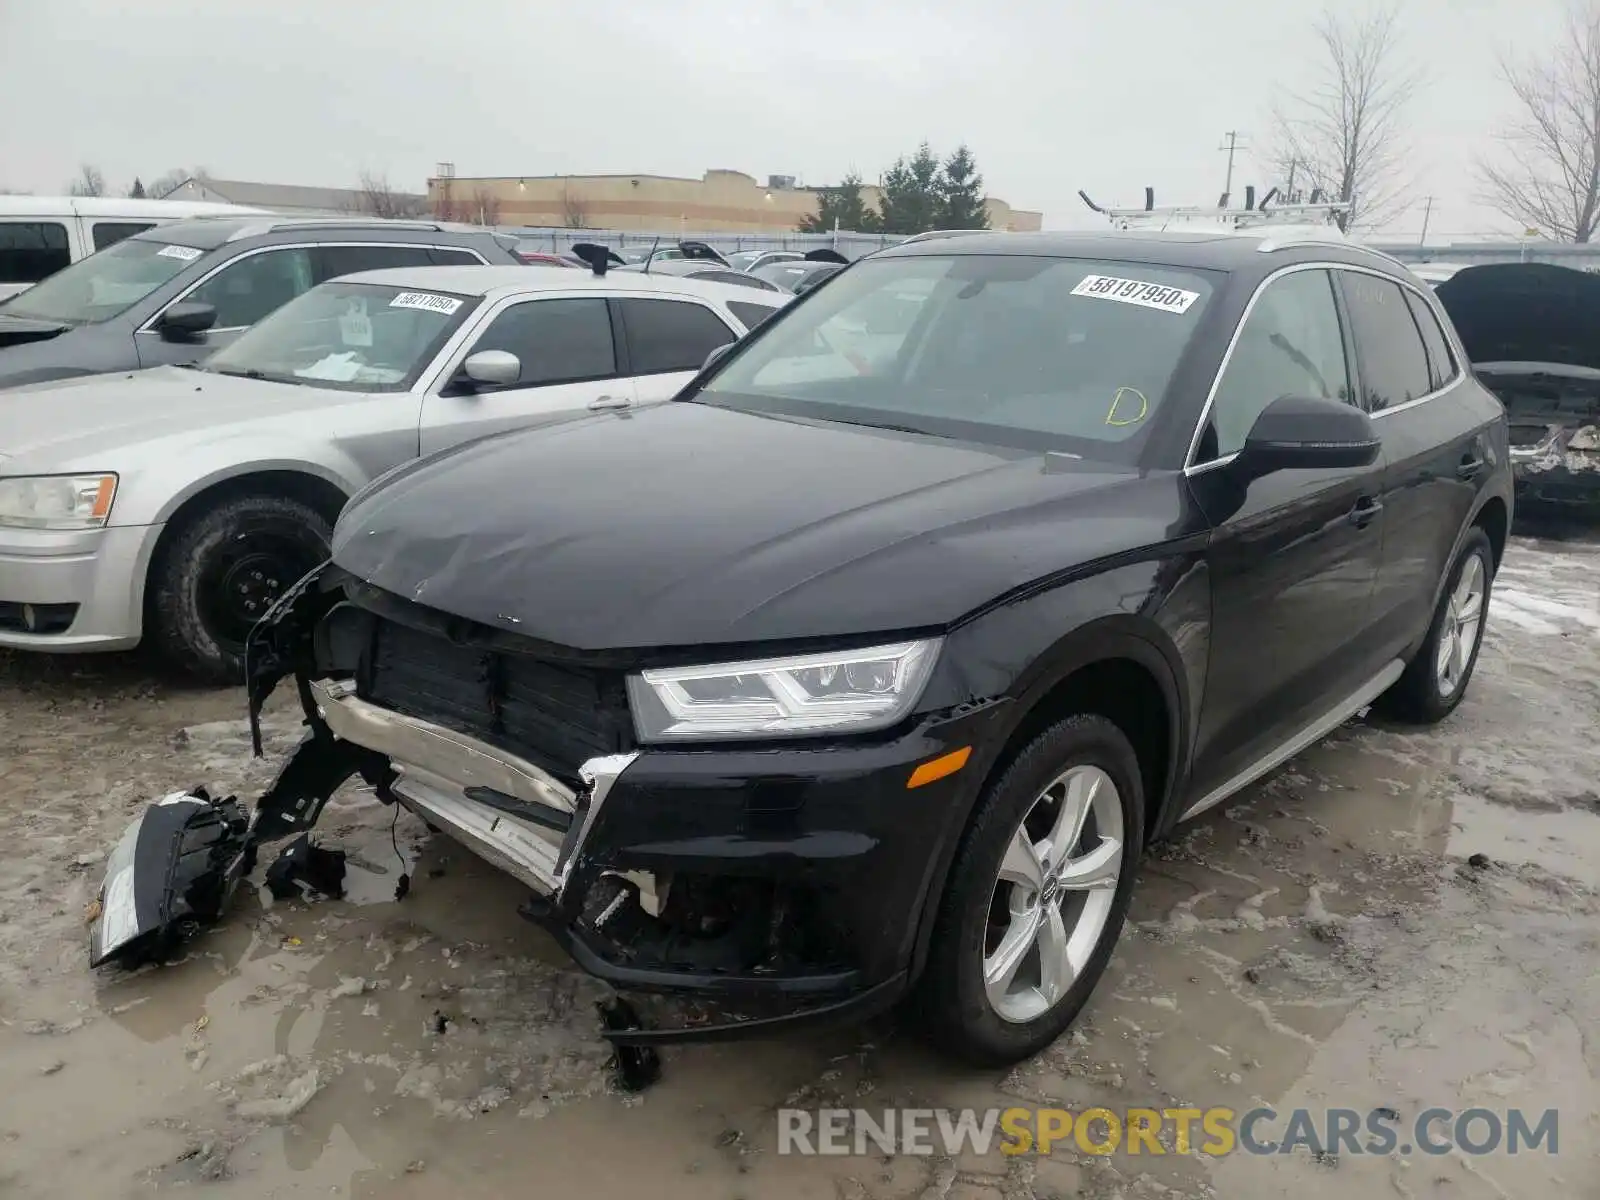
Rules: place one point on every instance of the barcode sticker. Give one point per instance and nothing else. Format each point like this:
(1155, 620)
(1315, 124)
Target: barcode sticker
(1134, 291)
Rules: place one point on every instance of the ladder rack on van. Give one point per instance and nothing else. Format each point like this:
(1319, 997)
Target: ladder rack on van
(1316, 212)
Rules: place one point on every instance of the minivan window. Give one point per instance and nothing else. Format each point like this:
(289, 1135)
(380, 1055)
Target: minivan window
(32, 250)
(103, 285)
(1393, 363)
(354, 337)
(1022, 350)
(109, 233)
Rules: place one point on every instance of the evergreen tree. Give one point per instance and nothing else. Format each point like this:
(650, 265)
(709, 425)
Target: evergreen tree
(911, 193)
(841, 207)
(136, 192)
(961, 193)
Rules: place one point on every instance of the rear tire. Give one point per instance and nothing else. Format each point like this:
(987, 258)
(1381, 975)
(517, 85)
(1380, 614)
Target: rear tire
(219, 571)
(975, 1009)
(1433, 684)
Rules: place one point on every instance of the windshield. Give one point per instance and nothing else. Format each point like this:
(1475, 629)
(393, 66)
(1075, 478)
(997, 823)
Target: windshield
(355, 337)
(104, 285)
(1047, 353)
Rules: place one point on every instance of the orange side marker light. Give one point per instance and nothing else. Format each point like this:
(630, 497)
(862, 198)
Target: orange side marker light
(938, 768)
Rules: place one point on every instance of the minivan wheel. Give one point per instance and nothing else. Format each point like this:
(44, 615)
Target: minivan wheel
(1437, 676)
(220, 571)
(1037, 894)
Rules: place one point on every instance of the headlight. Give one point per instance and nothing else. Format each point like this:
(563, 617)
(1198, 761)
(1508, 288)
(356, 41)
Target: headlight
(57, 501)
(849, 691)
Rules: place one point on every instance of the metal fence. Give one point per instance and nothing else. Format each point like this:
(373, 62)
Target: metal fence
(851, 245)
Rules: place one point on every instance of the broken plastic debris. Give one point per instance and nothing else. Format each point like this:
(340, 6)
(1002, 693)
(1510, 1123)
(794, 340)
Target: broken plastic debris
(637, 1066)
(303, 867)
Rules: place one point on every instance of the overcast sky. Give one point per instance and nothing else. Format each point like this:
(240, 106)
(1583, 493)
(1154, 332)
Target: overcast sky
(1051, 97)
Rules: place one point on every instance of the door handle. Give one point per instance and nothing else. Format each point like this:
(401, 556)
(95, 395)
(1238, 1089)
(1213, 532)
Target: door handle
(1470, 465)
(605, 403)
(1365, 512)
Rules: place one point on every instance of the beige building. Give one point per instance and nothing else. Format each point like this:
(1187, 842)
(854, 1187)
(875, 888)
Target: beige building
(720, 201)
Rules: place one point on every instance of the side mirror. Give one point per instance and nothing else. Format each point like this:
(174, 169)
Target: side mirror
(1308, 433)
(716, 356)
(498, 367)
(186, 320)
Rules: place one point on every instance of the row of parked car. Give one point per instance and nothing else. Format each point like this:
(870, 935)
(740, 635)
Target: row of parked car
(192, 405)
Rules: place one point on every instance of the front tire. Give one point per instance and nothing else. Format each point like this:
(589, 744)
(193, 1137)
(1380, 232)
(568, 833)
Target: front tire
(1037, 894)
(220, 570)
(1436, 678)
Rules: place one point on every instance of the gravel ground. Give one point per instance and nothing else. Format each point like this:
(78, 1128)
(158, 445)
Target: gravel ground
(1400, 919)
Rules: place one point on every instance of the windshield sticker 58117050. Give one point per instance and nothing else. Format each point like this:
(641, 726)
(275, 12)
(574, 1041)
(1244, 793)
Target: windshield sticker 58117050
(426, 301)
(1134, 291)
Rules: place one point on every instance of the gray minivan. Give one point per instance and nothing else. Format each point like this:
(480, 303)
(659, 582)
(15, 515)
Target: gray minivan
(175, 293)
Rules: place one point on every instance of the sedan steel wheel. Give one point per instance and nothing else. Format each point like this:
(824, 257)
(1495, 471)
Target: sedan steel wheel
(1463, 619)
(1053, 894)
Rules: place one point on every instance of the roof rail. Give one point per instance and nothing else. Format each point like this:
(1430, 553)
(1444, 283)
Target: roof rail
(1252, 216)
(347, 222)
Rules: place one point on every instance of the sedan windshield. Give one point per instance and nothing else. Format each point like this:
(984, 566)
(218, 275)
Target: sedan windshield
(1041, 353)
(104, 285)
(355, 337)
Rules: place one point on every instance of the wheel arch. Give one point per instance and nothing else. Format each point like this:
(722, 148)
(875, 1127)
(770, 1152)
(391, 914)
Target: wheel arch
(1122, 663)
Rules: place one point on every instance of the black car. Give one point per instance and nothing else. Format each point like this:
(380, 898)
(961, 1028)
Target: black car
(178, 292)
(919, 614)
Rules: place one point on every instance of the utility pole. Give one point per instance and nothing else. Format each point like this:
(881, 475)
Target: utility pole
(1426, 214)
(1232, 146)
(1294, 162)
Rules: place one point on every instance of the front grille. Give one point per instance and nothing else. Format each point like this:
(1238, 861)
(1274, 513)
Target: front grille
(554, 715)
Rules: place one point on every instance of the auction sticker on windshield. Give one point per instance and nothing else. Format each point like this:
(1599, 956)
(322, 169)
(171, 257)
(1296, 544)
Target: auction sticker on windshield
(186, 253)
(1134, 291)
(427, 302)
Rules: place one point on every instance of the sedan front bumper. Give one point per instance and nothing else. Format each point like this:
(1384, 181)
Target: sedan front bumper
(83, 590)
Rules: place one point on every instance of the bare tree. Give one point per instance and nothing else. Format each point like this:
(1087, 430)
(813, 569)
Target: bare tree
(444, 204)
(165, 184)
(1345, 136)
(376, 198)
(574, 209)
(89, 182)
(1548, 175)
(485, 208)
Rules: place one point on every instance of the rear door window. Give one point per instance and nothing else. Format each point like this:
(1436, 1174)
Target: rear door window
(1393, 362)
(109, 233)
(31, 250)
(557, 341)
(453, 258)
(1441, 362)
(671, 335)
(335, 261)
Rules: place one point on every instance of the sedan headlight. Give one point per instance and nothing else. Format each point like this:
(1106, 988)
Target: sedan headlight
(57, 501)
(847, 691)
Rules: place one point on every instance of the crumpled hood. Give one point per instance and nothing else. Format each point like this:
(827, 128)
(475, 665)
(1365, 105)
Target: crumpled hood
(1525, 312)
(99, 414)
(686, 524)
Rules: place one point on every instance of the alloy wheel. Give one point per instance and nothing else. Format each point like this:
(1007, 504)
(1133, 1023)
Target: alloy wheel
(1053, 894)
(1463, 620)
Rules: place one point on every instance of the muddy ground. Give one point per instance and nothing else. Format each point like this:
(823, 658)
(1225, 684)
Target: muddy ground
(1325, 940)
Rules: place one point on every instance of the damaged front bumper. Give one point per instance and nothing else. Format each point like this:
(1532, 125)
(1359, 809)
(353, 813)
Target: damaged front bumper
(758, 886)
(1560, 470)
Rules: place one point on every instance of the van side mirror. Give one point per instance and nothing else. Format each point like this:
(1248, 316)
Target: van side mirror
(1308, 433)
(186, 321)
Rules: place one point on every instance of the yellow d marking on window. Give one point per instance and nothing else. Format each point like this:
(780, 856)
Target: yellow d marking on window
(1144, 407)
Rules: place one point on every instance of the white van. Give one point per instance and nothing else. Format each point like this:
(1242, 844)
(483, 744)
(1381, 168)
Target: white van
(41, 234)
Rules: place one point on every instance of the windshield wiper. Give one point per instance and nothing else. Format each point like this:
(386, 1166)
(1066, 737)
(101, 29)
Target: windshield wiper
(247, 373)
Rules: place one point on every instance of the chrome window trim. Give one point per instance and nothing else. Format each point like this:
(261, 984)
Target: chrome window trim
(150, 325)
(1190, 467)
